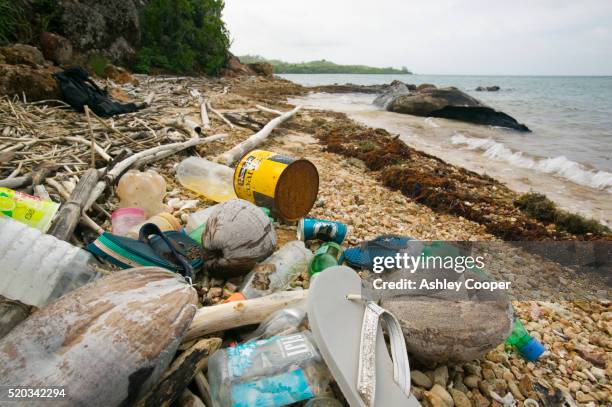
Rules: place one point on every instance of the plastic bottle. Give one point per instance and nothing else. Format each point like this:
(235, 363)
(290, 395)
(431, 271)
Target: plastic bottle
(144, 190)
(37, 268)
(198, 218)
(31, 210)
(328, 255)
(323, 401)
(527, 346)
(271, 372)
(276, 272)
(164, 221)
(207, 178)
(285, 321)
(124, 219)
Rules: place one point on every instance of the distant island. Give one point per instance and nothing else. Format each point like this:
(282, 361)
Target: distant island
(322, 66)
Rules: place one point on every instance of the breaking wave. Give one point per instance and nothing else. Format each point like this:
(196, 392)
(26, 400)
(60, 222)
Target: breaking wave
(560, 166)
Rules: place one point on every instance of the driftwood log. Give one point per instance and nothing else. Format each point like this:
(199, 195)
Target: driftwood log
(203, 387)
(188, 399)
(243, 121)
(233, 155)
(11, 314)
(221, 317)
(70, 213)
(180, 374)
(33, 178)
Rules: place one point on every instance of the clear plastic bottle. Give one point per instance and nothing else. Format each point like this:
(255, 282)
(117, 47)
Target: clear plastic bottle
(38, 268)
(282, 322)
(144, 190)
(276, 272)
(212, 180)
(271, 372)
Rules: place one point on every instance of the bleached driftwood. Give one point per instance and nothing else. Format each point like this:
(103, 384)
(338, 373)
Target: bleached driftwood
(85, 220)
(203, 387)
(268, 110)
(204, 114)
(156, 152)
(220, 115)
(233, 155)
(240, 313)
(185, 124)
(97, 147)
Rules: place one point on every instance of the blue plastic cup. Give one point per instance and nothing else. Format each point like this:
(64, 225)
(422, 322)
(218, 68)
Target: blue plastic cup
(532, 350)
(325, 230)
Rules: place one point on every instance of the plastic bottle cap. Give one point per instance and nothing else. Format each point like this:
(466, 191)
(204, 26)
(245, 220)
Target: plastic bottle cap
(532, 350)
(128, 211)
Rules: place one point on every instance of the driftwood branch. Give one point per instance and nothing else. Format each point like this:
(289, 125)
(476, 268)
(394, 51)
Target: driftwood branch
(268, 110)
(181, 373)
(85, 220)
(203, 387)
(142, 157)
(70, 212)
(34, 178)
(221, 317)
(204, 115)
(233, 155)
(220, 115)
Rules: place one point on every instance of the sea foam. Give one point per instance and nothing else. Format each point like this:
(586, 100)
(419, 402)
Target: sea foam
(560, 166)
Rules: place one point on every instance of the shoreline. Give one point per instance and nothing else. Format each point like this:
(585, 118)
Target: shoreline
(376, 184)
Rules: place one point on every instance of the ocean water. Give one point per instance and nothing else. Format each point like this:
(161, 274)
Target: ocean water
(568, 154)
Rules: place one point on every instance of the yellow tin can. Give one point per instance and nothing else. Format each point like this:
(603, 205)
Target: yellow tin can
(285, 185)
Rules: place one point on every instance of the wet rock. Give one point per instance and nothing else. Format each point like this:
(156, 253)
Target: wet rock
(460, 399)
(36, 84)
(459, 385)
(494, 88)
(421, 379)
(56, 48)
(424, 86)
(22, 54)
(395, 89)
(452, 104)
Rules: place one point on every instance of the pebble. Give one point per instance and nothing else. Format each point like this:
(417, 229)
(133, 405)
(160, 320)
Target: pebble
(583, 397)
(574, 386)
(460, 399)
(471, 381)
(441, 375)
(488, 374)
(421, 379)
(442, 394)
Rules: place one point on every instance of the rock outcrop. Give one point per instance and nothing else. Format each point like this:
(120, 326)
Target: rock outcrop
(494, 88)
(34, 83)
(449, 103)
(262, 69)
(56, 48)
(22, 54)
(108, 27)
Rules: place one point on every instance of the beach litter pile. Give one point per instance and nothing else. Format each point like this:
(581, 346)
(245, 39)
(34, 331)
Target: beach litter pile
(140, 253)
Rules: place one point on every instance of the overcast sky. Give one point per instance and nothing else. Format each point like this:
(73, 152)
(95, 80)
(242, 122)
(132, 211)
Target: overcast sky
(511, 37)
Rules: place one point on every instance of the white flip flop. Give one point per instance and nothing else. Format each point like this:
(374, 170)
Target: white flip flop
(349, 336)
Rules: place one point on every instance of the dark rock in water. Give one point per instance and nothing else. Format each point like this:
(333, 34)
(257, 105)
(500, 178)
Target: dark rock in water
(449, 103)
(487, 88)
(394, 90)
(56, 48)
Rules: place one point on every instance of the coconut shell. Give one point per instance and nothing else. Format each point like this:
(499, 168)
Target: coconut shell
(238, 234)
(106, 343)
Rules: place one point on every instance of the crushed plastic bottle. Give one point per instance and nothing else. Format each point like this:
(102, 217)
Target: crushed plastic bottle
(271, 372)
(276, 272)
(213, 181)
(38, 268)
(144, 190)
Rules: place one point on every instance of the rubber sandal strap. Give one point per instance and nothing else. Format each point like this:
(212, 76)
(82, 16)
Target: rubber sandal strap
(366, 377)
(152, 229)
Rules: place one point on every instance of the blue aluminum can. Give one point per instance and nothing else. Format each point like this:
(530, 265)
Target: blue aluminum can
(325, 230)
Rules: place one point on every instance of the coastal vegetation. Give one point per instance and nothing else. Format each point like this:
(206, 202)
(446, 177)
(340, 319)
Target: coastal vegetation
(321, 67)
(183, 36)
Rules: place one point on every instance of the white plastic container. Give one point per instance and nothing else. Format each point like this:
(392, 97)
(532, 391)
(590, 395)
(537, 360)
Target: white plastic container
(144, 190)
(207, 178)
(36, 268)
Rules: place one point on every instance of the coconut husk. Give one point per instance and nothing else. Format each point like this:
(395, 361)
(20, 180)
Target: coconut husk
(105, 343)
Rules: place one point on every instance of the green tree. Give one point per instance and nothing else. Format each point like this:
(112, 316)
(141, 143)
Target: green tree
(183, 36)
